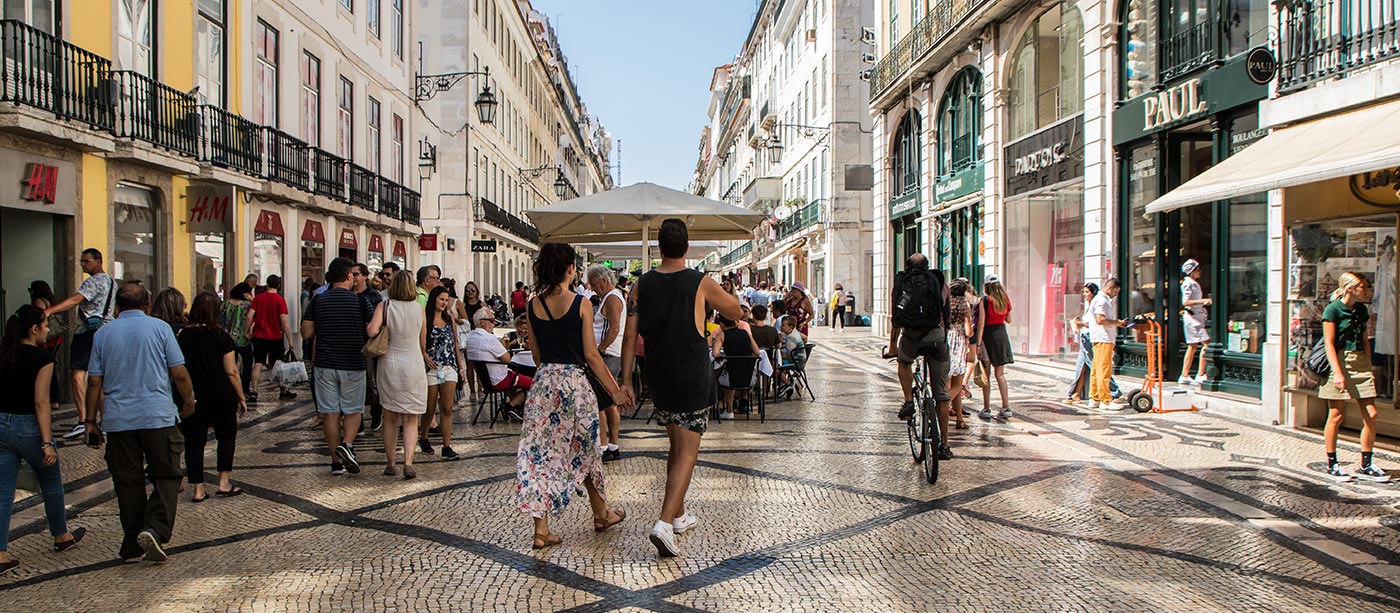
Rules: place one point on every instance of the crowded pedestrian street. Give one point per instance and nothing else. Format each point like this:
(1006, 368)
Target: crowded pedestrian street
(817, 507)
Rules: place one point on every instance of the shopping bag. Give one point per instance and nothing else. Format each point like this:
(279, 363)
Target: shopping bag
(979, 374)
(289, 373)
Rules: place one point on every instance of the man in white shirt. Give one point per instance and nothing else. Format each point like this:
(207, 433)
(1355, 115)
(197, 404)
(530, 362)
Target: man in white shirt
(484, 346)
(1101, 333)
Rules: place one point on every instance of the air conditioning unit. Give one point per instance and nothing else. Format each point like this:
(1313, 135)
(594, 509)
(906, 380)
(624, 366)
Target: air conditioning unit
(811, 35)
(868, 58)
(867, 36)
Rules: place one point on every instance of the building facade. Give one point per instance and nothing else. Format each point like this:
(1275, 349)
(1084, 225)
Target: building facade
(790, 135)
(542, 145)
(190, 143)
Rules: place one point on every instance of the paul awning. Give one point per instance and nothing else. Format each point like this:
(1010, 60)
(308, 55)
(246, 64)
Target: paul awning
(1339, 146)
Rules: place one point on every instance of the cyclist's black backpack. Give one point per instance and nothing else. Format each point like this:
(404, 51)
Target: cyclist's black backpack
(918, 303)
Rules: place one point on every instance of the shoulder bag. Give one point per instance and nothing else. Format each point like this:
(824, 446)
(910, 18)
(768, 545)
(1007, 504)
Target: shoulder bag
(378, 345)
(604, 397)
(1316, 363)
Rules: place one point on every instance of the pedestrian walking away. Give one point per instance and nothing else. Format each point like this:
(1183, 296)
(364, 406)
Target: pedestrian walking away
(518, 297)
(135, 363)
(837, 307)
(26, 429)
(337, 321)
(236, 319)
(401, 373)
(667, 308)
(920, 328)
(360, 286)
(994, 344)
(559, 449)
(96, 305)
(1344, 324)
(213, 369)
(960, 354)
(272, 334)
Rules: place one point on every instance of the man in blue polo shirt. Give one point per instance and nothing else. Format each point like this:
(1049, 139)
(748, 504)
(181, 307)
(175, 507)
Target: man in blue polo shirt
(134, 361)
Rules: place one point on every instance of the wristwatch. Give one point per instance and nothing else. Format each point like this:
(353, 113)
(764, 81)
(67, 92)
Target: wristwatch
(50, 444)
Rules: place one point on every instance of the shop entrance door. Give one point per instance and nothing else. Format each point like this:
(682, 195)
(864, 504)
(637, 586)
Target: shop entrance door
(1188, 234)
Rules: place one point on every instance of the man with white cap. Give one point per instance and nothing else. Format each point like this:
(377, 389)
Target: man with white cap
(1193, 321)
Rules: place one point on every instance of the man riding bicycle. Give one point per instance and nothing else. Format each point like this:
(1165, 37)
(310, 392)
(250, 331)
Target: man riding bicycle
(920, 328)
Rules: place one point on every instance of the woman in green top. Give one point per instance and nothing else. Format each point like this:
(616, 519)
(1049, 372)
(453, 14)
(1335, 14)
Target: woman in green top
(1349, 352)
(236, 319)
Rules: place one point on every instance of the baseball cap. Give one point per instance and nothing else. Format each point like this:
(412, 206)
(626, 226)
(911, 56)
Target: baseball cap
(991, 279)
(1189, 266)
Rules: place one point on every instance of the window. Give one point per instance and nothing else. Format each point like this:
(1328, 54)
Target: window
(823, 82)
(894, 26)
(136, 237)
(265, 97)
(396, 27)
(905, 159)
(1047, 79)
(345, 126)
(41, 14)
(372, 17)
(310, 99)
(372, 138)
(348, 4)
(1139, 48)
(960, 123)
(135, 37)
(397, 154)
(209, 52)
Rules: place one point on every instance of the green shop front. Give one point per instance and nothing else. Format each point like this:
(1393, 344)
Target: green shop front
(905, 183)
(1187, 102)
(956, 216)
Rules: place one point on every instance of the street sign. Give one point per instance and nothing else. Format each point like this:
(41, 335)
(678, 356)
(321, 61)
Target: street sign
(488, 246)
(427, 242)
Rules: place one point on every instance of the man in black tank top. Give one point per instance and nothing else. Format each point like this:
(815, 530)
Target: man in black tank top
(666, 308)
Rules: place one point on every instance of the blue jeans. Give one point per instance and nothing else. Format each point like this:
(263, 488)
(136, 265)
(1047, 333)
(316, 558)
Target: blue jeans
(1080, 386)
(20, 439)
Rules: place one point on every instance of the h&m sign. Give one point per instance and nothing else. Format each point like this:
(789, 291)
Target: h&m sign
(210, 209)
(41, 183)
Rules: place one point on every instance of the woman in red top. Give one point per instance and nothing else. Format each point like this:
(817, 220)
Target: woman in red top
(995, 343)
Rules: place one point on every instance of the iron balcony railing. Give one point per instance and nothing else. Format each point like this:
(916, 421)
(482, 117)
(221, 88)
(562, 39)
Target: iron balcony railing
(502, 219)
(154, 112)
(330, 174)
(362, 184)
(736, 254)
(229, 141)
(287, 159)
(389, 199)
(1318, 39)
(1189, 49)
(942, 19)
(804, 218)
(409, 206)
(44, 72)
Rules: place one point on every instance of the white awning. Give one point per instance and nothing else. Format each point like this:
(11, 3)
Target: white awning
(767, 262)
(1339, 146)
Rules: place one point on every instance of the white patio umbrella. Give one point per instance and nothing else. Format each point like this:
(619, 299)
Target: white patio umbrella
(629, 249)
(630, 214)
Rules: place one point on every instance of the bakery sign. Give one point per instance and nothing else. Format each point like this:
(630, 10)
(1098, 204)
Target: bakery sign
(1051, 156)
(1379, 188)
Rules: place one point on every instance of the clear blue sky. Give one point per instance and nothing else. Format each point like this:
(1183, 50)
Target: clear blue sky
(644, 67)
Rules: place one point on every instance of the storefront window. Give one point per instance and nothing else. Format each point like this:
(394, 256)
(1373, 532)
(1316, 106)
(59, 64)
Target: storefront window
(1047, 80)
(1140, 277)
(1244, 309)
(313, 260)
(905, 157)
(209, 263)
(375, 261)
(267, 256)
(960, 123)
(135, 242)
(1139, 51)
(1044, 271)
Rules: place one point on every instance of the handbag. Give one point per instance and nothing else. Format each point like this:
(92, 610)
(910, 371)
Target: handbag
(378, 345)
(97, 321)
(979, 375)
(1316, 363)
(604, 397)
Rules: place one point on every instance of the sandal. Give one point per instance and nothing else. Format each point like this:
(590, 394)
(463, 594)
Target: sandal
(600, 525)
(962, 425)
(545, 540)
(199, 500)
(228, 493)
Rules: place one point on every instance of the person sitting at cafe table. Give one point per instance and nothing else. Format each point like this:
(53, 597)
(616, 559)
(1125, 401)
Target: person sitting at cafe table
(484, 346)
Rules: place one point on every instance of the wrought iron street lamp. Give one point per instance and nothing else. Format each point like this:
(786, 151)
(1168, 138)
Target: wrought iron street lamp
(561, 186)
(427, 86)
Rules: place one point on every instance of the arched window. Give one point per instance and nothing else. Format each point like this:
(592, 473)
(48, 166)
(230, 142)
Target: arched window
(960, 123)
(1047, 74)
(904, 158)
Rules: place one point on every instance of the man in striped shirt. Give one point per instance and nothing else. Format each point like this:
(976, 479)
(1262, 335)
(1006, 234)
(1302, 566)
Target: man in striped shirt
(336, 322)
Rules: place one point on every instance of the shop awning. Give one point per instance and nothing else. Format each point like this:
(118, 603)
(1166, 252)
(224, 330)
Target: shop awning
(768, 260)
(1339, 146)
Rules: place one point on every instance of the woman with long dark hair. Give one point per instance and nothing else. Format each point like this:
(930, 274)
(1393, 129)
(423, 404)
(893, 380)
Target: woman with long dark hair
(218, 392)
(26, 427)
(559, 447)
(169, 306)
(467, 307)
(41, 295)
(444, 369)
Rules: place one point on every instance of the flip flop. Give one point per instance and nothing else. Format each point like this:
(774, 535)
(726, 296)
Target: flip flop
(228, 494)
(199, 500)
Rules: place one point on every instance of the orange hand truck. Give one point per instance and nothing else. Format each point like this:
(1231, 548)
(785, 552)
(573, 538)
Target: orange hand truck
(1149, 396)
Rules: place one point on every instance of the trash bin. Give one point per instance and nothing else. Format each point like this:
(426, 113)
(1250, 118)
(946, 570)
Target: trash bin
(851, 318)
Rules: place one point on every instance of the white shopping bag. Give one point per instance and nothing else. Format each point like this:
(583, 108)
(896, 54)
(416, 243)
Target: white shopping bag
(289, 373)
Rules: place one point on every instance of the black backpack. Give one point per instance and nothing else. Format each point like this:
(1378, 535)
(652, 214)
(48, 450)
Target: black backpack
(918, 300)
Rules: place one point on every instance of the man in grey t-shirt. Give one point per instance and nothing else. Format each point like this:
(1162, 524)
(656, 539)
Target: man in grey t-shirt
(95, 302)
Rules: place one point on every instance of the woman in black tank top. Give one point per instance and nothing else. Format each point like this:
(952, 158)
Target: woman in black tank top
(559, 451)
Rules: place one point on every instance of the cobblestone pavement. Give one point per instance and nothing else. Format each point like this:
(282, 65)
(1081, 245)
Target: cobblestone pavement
(819, 508)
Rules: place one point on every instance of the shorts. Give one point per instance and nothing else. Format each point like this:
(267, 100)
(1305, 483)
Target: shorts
(268, 351)
(1194, 330)
(442, 374)
(339, 392)
(614, 363)
(513, 379)
(933, 344)
(81, 350)
(696, 421)
(1361, 380)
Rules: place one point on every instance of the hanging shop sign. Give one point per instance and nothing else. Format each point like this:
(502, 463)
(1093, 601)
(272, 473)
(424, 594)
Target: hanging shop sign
(427, 242)
(210, 209)
(907, 204)
(376, 244)
(1378, 188)
(488, 246)
(269, 222)
(38, 183)
(1053, 155)
(959, 184)
(1184, 101)
(348, 240)
(1260, 65)
(400, 250)
(313, 232)
(41, 184)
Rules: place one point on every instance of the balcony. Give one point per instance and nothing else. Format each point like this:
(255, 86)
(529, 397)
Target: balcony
(1192, 48)
(362, 184)
(154, 112)
(500, 218)
(408, 204)
(763, 190)
(1319, 39)
(804, 218)
(942, 19)
(287, 159)
(330, 174)
(736, 254)
(44, 72)
(229, 141)
(389, 199)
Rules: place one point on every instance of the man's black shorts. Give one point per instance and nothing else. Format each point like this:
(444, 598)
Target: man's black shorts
(268, 351)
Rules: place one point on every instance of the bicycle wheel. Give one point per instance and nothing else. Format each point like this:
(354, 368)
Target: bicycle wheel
(916, 433)
(933, 439)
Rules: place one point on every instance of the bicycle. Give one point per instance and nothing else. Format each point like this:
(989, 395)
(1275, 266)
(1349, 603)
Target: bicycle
(925, 438)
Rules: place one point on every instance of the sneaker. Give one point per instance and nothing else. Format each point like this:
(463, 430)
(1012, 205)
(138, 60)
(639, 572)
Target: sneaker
(449, 454)
(251, 397)
(76, 432)
(346, 454)
(1338, 474)
(945, 452)
(337, 469)
(1201, 379)
(1092, 405)
(663, 535)
(612, 455)
(1184, 380)
(1005, 413)
(985, 414)
(435, 430)
(287, 395)
(149, 543)
(1113, 406)
(424, 447)
(1372, 474)
(376, 422)
(684, 522)
(906, 410)
(726, 415)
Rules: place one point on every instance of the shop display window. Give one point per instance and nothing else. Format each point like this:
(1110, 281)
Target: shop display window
(135, 242)
(313, 261)
(267, 256)
(1045, 271)
(209, 263)
(375, 261)
(1140, 277)
(1318, 255)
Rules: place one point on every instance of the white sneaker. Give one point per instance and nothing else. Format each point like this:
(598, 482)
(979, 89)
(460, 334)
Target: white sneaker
(1185, 380)
(1201, 379)
(663, 535)
(1092, 405)
(1113, 406)
(76, 432)
(726, 415)
(684, 522)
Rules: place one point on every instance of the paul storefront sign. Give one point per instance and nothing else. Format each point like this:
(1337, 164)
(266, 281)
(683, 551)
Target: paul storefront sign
(1053, 155)
(1176, 103)
(1183, 102)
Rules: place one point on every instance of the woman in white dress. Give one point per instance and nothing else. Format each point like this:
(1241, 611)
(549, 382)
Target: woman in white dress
(403, 382)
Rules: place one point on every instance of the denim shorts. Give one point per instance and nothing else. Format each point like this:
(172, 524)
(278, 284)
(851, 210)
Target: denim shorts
(339, 392)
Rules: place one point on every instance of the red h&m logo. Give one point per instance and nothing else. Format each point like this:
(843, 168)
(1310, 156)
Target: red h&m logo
(42, 183)
(209, 208)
